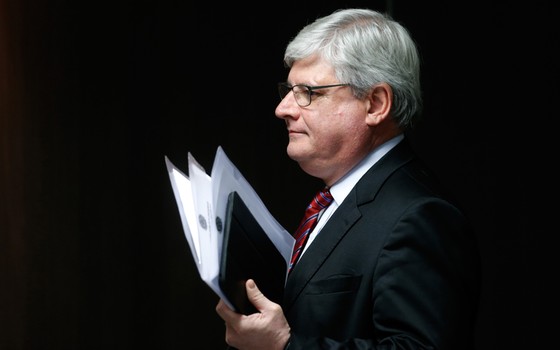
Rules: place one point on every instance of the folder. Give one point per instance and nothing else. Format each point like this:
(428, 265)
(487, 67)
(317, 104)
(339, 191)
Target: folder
(247, 252)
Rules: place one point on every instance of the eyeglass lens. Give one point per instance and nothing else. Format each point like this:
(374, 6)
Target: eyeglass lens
(302, 93)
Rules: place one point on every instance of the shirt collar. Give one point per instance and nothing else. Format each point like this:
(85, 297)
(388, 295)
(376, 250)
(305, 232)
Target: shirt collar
(342, 187)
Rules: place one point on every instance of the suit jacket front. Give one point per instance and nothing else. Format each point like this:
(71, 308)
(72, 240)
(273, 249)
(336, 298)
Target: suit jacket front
(395, 267)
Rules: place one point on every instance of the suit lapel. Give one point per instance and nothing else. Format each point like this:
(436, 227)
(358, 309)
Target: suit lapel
(342, 220)
(317, 253)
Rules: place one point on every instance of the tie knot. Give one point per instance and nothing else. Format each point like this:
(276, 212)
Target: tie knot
(322, 199)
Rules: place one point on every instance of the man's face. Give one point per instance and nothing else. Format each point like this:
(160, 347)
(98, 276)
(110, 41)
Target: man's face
(328, 137)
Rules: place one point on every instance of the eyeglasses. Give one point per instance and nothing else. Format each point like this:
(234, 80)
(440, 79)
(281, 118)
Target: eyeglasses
(302, 93)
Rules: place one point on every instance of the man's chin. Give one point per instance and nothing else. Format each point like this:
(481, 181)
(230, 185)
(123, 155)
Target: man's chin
(295, 152)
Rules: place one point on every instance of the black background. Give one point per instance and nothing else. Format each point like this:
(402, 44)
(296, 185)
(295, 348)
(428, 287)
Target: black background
(96, 93)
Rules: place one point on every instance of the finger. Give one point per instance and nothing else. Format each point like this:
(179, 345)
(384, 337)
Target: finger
(224, 310)
(256, 297)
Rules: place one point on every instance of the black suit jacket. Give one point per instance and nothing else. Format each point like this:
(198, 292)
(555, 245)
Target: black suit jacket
(395, 267)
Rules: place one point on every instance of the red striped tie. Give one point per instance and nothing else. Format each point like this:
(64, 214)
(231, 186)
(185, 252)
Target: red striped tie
(321, 200)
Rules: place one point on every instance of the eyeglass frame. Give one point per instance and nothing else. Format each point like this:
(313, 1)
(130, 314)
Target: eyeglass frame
(309, 89)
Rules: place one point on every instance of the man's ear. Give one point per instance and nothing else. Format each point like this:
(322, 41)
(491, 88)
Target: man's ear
(381, 100)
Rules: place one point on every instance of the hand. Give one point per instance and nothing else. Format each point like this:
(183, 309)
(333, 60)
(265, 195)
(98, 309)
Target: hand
(267, 329)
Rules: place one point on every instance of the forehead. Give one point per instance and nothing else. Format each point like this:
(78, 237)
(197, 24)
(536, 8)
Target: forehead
(312, 70)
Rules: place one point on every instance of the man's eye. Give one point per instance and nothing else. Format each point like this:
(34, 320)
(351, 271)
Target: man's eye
(314, 94)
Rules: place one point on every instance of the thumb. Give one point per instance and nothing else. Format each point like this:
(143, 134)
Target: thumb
(256, 297)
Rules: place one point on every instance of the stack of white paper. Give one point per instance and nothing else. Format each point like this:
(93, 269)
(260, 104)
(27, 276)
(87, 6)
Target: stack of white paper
(202, 200)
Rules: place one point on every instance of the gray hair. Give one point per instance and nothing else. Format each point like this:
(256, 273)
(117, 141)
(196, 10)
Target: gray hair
(365, 48)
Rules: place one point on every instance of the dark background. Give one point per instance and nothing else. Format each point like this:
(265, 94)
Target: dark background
(94, 94)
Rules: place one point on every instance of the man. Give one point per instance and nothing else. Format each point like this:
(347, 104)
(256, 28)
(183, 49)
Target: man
(391, 264)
